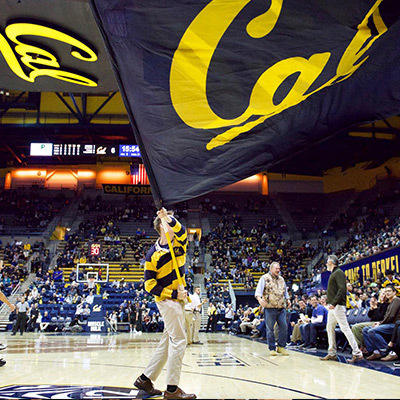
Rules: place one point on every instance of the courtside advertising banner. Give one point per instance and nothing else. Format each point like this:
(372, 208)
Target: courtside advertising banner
(368, 268)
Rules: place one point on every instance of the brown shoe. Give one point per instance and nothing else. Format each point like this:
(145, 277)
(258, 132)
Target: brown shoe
(329, 357)
(179, 394)
(147, 386)
(390, 357)
(374, 356)
(355, 359)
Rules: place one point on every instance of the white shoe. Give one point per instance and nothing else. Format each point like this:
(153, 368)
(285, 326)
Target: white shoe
(3, 347)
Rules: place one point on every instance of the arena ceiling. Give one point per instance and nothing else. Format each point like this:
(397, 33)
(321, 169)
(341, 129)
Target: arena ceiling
(80, 102)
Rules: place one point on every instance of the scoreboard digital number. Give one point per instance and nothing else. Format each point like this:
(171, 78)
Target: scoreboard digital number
(129, 150)
(94, 249)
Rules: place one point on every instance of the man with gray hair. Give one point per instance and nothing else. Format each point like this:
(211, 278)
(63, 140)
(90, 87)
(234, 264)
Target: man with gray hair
(337, 311)
(273, 296)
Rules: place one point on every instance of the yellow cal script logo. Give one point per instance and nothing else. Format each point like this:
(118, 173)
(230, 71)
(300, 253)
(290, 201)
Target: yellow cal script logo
(191, 61)
(39, 62)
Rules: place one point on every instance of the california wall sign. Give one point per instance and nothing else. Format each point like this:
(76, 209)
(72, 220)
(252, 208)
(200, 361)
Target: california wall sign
(143, 190)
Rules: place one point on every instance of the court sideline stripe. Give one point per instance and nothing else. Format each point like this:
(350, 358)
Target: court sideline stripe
(186, 372)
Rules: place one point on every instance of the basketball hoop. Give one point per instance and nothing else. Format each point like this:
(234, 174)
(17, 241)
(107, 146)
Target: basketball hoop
(91, 278)
(89, 272)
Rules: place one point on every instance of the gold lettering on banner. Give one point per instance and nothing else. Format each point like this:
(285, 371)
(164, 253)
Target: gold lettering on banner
(192, 59)
(39, 62)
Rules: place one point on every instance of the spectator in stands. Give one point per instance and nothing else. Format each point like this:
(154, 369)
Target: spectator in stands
(33, 316)
(57, 274)
(114, 321)
(304, 312)
(350, 297)
(44, 321)
(394, 345)
(273, 296)
(391, 280)
(229, 316)
(125, 267)
(75, 326)
(247, 321)
(376, 313)
(212, 318)
(373, 336)
(317, 322)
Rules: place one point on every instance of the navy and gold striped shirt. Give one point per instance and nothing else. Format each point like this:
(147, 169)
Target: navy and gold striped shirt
(160, 277)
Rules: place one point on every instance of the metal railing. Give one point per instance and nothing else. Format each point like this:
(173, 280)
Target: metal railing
(13, 293)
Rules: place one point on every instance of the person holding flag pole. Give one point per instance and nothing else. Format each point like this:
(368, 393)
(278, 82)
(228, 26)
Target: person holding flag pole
(164, 275)
(164, 278)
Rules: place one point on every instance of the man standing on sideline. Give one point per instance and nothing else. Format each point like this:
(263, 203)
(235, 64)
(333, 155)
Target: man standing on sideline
(197, 305)
(162, 282)
(189, 322)
(272, 294)
(4, 299)
(22, 316)
(337, 311)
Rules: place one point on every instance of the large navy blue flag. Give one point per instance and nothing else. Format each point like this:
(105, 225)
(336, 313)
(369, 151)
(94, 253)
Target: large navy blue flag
(220, 89)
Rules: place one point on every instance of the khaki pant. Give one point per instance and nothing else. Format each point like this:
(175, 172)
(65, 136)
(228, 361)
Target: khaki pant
(338, 316)
(196, 326)
(244, 325)
(171, 348)
(357, 331)
(189, 323)
(296, 334)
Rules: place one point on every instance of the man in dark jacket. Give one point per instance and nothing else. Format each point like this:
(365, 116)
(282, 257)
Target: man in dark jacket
(376, 313)
(374, 336)
(337, 311)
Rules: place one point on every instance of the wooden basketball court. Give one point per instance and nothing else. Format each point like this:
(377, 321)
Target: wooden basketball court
(54, 367)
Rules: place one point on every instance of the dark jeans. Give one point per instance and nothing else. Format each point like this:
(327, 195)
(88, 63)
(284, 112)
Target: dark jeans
(396, 339)
(228, 322)
(262, 329)
(309, 332)
(373, 337)
(212, 323)
(276, 316)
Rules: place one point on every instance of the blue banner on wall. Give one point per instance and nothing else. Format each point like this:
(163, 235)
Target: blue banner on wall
(96, 321)
(368, 268)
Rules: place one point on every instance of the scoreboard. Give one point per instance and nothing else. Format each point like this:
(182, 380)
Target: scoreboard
(94, 249)
(76, 150)
(129, 150)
